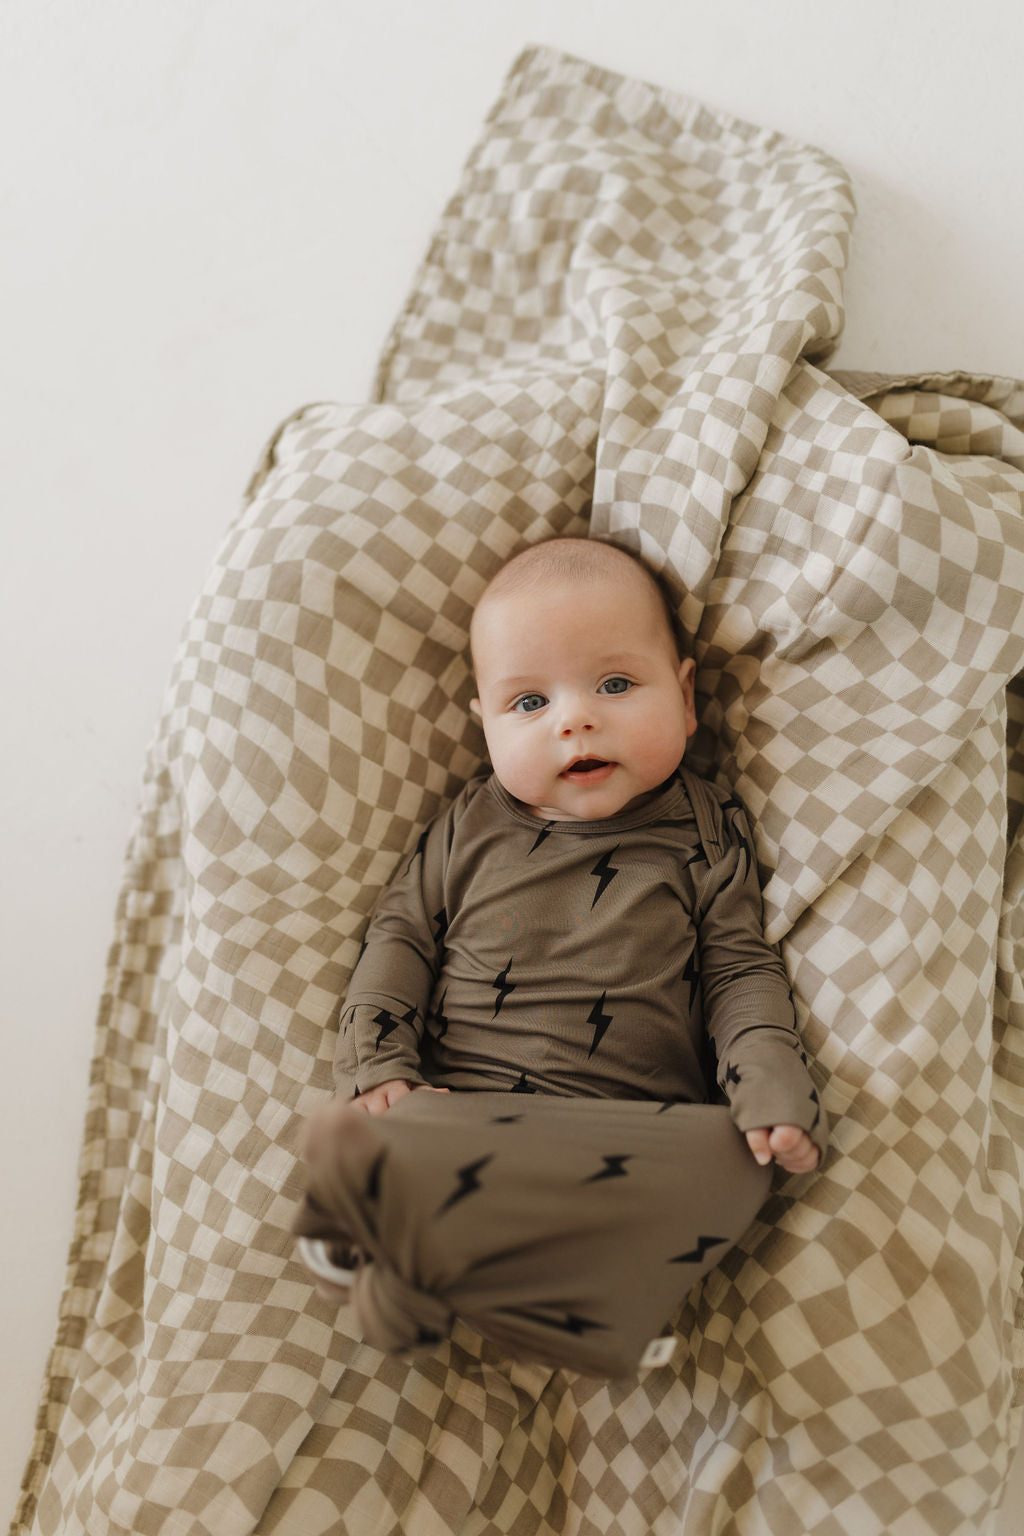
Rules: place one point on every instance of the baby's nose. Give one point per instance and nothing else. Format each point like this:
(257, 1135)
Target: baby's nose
(576, 716)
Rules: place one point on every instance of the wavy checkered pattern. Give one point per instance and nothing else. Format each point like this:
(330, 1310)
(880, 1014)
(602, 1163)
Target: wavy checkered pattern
(620, 327)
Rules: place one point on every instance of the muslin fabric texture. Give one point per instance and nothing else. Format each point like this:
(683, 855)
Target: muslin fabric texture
(622, 326)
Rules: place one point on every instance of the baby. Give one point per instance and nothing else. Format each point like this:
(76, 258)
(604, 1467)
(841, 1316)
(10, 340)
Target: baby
(584, 926)
(586, 707)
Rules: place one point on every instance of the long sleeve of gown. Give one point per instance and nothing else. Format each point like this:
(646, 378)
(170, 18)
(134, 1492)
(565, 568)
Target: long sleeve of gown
(748, 1005)
(384, 1013)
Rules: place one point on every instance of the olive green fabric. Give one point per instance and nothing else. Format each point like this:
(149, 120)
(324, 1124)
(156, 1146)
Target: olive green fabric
(604, 959)
(563, 1234)
(567, 1231)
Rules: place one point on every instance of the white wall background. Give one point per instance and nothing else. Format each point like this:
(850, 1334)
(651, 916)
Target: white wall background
(210, 212)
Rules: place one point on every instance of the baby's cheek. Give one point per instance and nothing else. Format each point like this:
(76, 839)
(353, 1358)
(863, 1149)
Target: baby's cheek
(517, 767)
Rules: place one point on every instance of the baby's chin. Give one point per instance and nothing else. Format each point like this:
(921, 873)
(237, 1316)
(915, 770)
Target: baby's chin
(593, 806)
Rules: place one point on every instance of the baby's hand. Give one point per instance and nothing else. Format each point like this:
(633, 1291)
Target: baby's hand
(791, 1148)
(376, 1100)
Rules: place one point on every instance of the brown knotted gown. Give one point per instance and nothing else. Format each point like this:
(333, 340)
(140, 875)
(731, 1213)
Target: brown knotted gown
(565, 980)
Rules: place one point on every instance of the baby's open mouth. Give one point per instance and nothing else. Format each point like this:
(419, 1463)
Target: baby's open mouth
(585, 765)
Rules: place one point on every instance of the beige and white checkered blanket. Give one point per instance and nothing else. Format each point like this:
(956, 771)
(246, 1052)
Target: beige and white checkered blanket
(621, 324)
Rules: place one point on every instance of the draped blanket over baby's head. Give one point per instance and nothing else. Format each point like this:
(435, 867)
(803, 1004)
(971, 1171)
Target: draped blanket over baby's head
(621, 328)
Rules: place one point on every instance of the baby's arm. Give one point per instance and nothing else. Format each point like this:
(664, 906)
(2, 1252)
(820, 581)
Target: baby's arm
(749, 1015)
(387, 1004)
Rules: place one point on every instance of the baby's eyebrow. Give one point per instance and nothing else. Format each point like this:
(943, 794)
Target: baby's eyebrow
(605, 663)
(622, 659)
(513, 685)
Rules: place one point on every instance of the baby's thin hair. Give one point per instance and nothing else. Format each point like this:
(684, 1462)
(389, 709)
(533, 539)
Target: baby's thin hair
(576, 560)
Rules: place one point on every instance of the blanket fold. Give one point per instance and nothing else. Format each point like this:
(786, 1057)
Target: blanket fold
(622, 327)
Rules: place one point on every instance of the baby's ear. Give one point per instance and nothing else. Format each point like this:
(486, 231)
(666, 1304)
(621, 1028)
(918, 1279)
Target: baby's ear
(688, 685)
(474, 705)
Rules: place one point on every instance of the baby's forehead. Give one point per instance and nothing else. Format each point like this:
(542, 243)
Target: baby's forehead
(613, 573)
(502, 604)
(629, 608)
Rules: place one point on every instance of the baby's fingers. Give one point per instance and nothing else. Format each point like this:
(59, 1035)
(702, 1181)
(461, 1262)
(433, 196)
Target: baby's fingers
(787, 1145)
(377, 1101)
(794, 1150)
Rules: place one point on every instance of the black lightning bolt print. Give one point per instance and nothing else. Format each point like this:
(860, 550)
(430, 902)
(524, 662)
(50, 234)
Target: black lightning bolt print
(605, 872)
(600, 1021)
(542, 835)
(735, 817)
(503, 987)
(507, 1120)
(696, 1256)
(371, 1192)
(440, 925)
(691, 974)
(614, 1168)
(440, 1017)
(817, 1108)
(570, 1323)
(523, 1085)
(417, 852)
(468, 1183)
(733, 1075)
(730, 807)
(388, 1023)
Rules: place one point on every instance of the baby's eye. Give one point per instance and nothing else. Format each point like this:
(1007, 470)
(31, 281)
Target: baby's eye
(615, 685)
(529, 703)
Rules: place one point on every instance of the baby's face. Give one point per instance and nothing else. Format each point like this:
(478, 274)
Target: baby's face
(585, 705)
